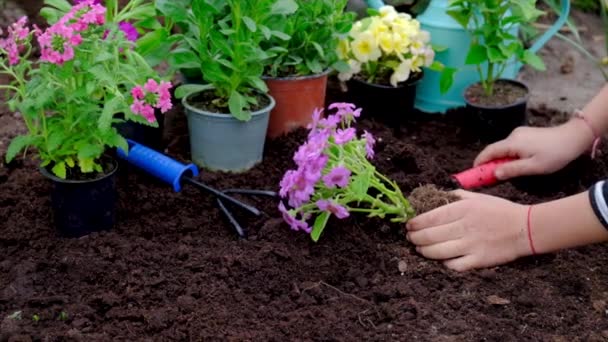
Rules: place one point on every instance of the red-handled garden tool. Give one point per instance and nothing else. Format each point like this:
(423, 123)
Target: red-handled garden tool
(481, 175)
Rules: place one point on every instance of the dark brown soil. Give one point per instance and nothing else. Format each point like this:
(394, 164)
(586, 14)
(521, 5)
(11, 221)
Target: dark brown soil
(428, 197)
(174, 269)
(505, 93)
(208, 101)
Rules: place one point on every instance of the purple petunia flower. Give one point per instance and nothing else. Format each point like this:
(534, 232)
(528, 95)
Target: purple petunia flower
(333, 208)
(342, 136)
(294, 223)
(129, 30)
(369, 144)
(339, 176)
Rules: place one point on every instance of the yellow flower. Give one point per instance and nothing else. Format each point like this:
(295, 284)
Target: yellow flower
(388, 14)
(365, 48)
(402, 43)
(343, 49)
(402, 73)
(377, 27)
(417, 63)
(387, 42)
(387, 11)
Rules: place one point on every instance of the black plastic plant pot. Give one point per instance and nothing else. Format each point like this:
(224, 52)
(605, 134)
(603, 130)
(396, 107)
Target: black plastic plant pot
(385, 103)
(81, 207)
(496, 122)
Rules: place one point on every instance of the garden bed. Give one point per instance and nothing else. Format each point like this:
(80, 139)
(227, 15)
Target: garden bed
(174, 269)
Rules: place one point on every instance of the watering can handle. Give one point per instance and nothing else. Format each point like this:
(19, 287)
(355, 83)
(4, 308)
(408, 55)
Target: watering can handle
(376, 4)
(563, 16)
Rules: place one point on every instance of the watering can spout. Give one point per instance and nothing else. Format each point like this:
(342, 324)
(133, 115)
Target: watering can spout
(544, 38)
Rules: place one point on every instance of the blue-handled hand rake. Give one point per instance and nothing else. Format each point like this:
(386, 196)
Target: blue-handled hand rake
(175, 173)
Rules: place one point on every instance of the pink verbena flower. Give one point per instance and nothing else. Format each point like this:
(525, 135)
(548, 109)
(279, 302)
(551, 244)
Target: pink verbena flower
(333, 208)
(294, 223)
(297, 186)
(345, 111)
(96, 2)
(369, 144)
(342, 136)
(57, 43)
(149, 96)
(18, 35)
(338, 176)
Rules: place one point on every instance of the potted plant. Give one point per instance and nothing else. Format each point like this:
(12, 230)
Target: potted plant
(228, 115)
(297, 74)
(68, 98)
(498, 104)
(385, 53)
(133, 18)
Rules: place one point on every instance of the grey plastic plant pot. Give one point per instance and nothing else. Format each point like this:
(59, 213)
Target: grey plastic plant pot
(219, 142)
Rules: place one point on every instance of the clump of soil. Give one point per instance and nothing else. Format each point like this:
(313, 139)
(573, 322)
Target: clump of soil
(208, 101)
(428, 197)
(504, 93)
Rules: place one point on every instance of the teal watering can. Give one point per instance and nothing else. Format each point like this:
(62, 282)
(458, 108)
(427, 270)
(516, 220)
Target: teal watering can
(446, 32)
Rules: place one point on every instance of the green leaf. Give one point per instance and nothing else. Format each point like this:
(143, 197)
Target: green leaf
(533, 60)
(319, 226)
(187, 89)
(103, 56)
(284, 7)
(266, 31)
(281, 35)
(462, 17)
(176, 10)
(17, 144)
(446, 80)
(341, 66)
(61, 5)
(439, 48)
(314, 66)
(59, 170)
(184, 59)
(319, 49)
(495, 55)
(477, 55)
(51, 15)
(110, 108)
(360, 185)
(89, 151)
(237, 103)
(101, 74)
(258, 83)
(250, 24)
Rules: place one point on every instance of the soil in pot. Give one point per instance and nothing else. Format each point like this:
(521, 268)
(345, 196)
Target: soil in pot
(207, 101)
(497, 115)
(505, 93)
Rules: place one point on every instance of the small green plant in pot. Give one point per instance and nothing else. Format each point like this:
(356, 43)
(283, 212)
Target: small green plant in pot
(228, 115)
(297, 73)
(69, 97)
(499, 104)
(386, 53)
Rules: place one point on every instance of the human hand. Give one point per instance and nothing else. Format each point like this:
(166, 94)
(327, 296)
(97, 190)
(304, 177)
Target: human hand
(475, 232)
(538, 150)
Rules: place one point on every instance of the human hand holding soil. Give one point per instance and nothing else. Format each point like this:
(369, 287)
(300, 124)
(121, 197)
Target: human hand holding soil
(474, 232)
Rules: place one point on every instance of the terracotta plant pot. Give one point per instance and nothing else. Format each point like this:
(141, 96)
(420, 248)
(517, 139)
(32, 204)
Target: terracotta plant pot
(81, 207)
(296, 99)
(496, 122)
(385, 103)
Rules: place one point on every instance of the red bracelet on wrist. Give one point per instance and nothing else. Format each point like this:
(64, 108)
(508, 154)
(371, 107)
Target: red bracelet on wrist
(530, 230)
(579, 115)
